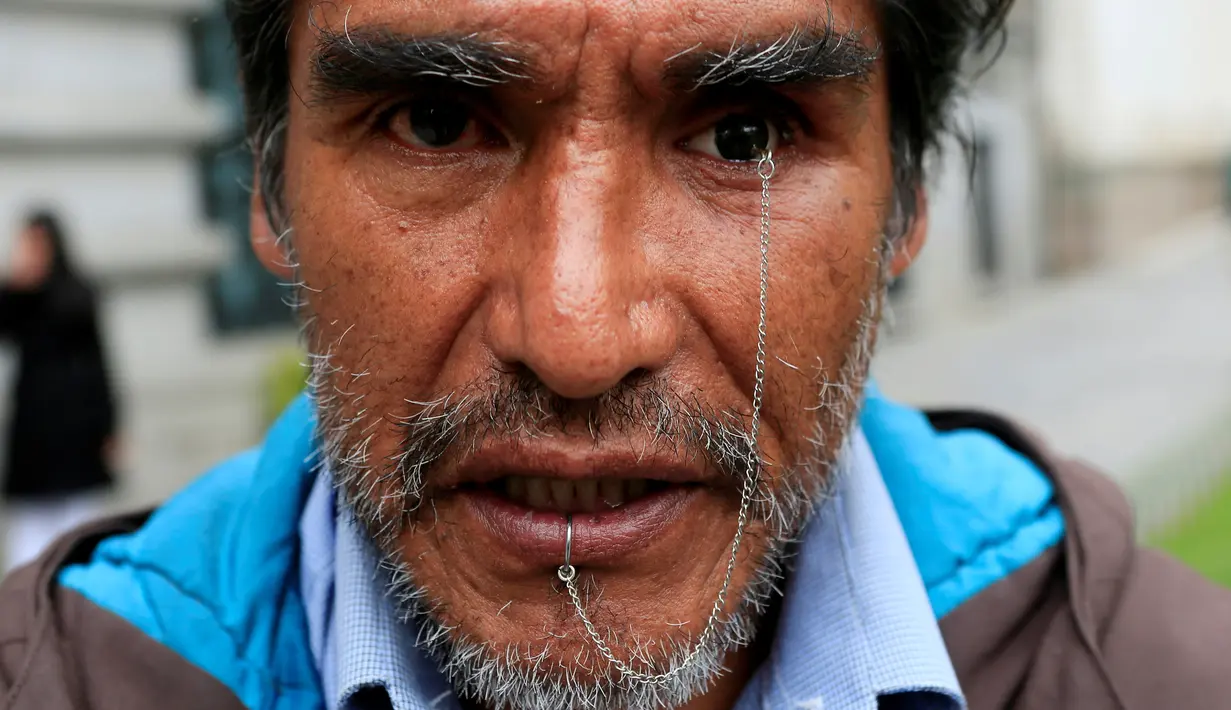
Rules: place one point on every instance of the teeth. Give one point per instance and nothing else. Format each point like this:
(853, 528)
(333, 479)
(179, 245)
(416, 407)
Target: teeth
(565, 496)
(538, 493)
(612, 491)
(515, 489)
(562, 492)
(587, 495)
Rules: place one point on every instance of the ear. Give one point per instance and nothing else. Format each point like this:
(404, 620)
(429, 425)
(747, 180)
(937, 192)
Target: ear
(911, 242)
(265, 244)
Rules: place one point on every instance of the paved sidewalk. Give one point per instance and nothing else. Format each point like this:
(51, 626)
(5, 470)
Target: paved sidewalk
(1129, 368)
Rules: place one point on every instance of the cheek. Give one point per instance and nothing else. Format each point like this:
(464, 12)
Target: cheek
(392, 294)
(827, 272)
(824, 266)
(824, 240)
(828, 293)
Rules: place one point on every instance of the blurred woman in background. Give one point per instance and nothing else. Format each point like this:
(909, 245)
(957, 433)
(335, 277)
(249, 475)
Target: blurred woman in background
(63, 413)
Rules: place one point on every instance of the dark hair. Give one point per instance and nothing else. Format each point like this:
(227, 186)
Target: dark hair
(49, 224)
(924, 42)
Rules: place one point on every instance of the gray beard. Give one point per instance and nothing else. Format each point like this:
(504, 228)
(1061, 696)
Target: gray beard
(523, 678)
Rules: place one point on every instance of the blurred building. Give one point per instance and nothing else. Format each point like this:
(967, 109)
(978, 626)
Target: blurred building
(1138, 114)
(986, 212)
(1073, 277)
(117, 113)
(1102, 123)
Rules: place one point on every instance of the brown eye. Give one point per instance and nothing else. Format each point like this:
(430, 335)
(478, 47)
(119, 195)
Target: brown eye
(737, 138)
(436, 124)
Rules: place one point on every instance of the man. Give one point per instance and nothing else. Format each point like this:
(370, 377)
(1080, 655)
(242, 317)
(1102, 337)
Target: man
(590, 290)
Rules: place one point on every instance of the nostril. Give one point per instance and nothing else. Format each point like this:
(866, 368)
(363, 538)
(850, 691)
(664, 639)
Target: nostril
(521, 376)
(638, 376)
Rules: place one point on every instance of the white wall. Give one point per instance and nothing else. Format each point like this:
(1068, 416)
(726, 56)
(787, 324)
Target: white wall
(117, 55)
(1131, 82)
(102, 193)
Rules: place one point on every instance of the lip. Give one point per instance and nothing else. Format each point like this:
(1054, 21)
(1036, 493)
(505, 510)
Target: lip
(572, 460)
(537, 537)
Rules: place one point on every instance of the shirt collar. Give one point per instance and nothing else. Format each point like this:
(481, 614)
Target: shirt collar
(374, 648)
(316, 574)
(856, 622)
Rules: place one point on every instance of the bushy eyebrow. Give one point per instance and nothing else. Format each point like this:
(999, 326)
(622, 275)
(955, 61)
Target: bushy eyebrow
(365, 61)
(803, 56)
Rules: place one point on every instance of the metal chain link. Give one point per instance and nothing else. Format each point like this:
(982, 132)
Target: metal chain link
(568, 573)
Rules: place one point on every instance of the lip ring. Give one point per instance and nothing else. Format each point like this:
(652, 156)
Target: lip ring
(537, 538)
(567, 571)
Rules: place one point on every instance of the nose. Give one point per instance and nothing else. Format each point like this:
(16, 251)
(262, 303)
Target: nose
(583, 308)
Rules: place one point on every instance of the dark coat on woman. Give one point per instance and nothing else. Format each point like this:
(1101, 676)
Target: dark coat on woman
(63, 409)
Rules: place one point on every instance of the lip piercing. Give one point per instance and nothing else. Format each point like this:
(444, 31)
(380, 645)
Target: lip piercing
(567, 571)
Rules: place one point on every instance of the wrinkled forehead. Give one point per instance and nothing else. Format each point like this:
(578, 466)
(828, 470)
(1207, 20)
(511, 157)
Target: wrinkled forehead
(647, 44)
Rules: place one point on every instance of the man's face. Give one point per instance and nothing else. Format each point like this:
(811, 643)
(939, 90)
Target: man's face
(527, 234)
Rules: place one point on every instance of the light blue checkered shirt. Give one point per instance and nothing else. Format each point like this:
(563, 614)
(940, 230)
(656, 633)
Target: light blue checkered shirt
(856, 631)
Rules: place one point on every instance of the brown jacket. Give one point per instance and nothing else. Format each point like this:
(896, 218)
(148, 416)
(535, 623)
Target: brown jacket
(1096, 623)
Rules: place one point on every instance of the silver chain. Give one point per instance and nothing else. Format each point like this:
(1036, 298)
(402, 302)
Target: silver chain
(568, 573)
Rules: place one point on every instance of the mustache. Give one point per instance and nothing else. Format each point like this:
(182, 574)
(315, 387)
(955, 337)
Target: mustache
(392, 495)
(518, 406)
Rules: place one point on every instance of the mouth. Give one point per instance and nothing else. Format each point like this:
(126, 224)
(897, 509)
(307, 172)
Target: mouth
(576, 496)
(618, 504)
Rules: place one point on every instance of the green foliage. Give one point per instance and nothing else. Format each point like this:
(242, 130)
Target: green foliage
(284, 380)
(1203, 539)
